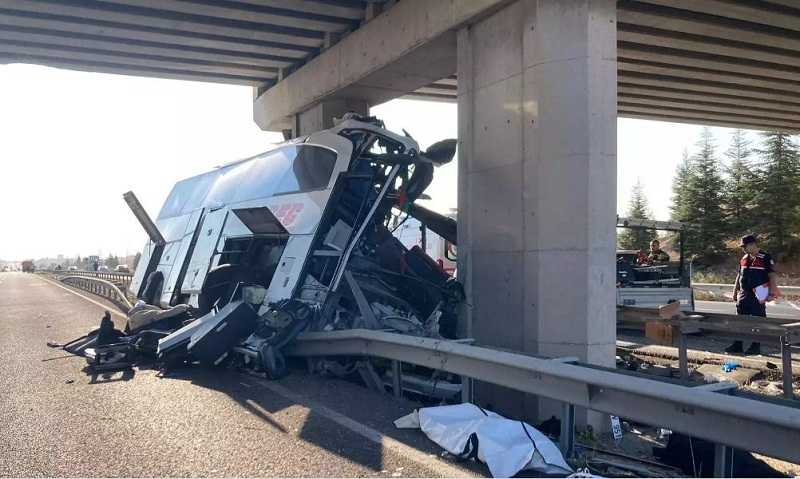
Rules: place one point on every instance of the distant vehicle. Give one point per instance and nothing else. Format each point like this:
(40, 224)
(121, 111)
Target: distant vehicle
(122, 268)
(72, 268)
(650, 286)
(28, 266)
(103, 268)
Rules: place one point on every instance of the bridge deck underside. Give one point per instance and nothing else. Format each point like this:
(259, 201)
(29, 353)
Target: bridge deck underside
(722, 62)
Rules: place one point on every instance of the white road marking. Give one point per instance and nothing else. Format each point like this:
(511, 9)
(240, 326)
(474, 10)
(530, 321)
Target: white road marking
(104, 306)
(429, 460)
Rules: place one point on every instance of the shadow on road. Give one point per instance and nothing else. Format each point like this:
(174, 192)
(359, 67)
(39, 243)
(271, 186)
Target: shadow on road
(316, 428)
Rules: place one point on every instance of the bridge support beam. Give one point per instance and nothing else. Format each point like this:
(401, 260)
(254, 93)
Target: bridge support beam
(320, 116)
(537, 184)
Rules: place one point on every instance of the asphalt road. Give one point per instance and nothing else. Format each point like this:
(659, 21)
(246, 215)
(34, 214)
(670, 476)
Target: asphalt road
(55, 420)
(783, 309)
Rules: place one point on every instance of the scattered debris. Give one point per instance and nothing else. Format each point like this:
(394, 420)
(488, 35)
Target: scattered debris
(695, 457)
(616, 428)
(584, 472)
(69, 381)
(711, 373)
(729, 366)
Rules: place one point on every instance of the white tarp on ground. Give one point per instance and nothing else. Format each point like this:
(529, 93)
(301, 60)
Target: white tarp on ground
(506, 446)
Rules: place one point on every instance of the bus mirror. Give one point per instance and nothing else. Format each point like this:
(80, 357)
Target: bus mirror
(441, 152)
(450, 251)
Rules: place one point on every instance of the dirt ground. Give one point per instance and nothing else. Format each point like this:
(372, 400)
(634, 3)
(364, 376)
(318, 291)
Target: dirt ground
(759, 377)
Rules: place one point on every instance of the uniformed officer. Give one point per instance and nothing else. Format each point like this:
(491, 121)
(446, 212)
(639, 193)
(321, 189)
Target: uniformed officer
(756, 271)
(657, 255)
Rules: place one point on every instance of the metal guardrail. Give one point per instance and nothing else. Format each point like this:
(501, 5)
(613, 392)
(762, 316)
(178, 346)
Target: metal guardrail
(710, 412)
(99, 287)
(713, 412)
(728, 288)
(121, 280)
(784, 333)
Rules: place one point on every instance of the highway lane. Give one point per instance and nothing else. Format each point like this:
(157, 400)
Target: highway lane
(784, 309)
(57, 421)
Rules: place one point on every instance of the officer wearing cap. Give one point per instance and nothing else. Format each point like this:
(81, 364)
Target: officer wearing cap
(756, 269)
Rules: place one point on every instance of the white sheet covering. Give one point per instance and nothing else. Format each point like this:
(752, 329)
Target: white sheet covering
(506, 446)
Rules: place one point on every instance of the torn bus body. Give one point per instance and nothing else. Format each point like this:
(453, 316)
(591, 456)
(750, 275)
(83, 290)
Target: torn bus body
(302, 234)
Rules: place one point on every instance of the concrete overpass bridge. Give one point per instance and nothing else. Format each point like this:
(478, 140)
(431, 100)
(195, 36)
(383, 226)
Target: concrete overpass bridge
(722, 62)
(539, 84)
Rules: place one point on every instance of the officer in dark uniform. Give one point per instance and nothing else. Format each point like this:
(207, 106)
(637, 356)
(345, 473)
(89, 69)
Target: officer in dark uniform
(756, 269)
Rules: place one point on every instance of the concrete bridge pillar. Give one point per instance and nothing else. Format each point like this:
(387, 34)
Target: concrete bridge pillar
(537, 184)
(320, 116)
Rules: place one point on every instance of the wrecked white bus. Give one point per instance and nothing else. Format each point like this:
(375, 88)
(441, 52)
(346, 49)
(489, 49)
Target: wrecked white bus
(305, 230)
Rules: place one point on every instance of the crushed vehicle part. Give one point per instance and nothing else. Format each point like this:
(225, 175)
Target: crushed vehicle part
(305, 231)
(104, 348)
(110, 357)
(211, 336)
(228, 326)
(146, 315)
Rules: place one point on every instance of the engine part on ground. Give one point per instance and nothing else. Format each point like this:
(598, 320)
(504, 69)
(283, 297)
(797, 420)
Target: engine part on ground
(283, 321)
(272, 361)
(276, 328)
(110, 357)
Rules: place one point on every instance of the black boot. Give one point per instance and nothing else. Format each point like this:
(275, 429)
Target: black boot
(754, 349)
(736, 347)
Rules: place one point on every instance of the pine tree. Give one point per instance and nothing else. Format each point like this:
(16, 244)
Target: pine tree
(777, 199)
(635, 238)
(112, 261)
(679, 188)
(703, 198)
(740, 186)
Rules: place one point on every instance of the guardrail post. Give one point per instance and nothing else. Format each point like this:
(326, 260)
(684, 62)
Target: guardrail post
(786, 359)
(466, 389)
(566, 440)
(723, 455)
(397, 379)
(723, 461)
(683, 355)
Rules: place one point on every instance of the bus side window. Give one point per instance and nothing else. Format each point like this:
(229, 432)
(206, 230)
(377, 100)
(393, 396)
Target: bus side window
(311, 170)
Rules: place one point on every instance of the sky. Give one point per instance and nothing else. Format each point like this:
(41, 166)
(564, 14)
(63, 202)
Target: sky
(71, 143)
